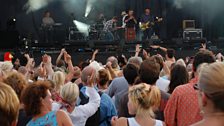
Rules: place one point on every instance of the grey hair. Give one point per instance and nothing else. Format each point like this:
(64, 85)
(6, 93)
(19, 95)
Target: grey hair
(114, 62)
(135, 60)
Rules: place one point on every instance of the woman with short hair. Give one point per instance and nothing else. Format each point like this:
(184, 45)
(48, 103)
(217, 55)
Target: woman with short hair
(78, 114)
(38, 104)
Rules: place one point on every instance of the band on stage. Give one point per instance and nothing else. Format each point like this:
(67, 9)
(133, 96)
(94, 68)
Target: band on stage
(126, 27)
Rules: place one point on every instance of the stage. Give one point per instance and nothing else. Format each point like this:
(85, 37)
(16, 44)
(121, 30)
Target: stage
(82, 50)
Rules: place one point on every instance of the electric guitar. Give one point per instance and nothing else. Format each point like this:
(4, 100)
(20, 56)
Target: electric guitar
(144, 26)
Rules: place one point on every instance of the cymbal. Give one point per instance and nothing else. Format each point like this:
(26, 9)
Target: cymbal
(57, 24)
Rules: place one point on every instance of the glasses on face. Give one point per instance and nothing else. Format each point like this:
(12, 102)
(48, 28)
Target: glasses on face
(195, 86)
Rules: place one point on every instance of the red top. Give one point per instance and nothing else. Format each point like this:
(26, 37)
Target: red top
(182, 108)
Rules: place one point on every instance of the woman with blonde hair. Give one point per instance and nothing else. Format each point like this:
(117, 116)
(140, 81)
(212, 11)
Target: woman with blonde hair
(78, 114)
(9, 106)
(211, 95)
(143, 100)
(18, 83)
(59, 79)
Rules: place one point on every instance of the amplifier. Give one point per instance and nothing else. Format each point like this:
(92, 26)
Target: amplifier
(192, 34)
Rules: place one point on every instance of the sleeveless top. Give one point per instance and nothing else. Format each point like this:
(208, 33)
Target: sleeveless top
(133, 122)
(49, 119)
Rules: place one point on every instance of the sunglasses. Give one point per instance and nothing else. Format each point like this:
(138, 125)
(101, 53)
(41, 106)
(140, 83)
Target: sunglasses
(212, 95)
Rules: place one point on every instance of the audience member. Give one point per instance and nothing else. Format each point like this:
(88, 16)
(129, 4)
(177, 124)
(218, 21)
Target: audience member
(130, 72)
(59, 79)
(18, 83)
(210, 88)
(102, 80)
(78, 114)
(120, 84)
(162, 83)
(182, 108)
(9, 106)
(106, 109)
(38, 104)
(149, 74)
(178, 76)
(143, 99)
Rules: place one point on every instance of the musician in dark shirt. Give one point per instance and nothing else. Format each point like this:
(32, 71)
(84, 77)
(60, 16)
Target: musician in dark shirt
(147, 22)
(130, 21)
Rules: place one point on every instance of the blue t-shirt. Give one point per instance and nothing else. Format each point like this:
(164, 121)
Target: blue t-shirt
(107, 108)
(50, 119)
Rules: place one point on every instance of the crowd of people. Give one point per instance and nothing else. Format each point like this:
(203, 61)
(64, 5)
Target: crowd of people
(143, 90)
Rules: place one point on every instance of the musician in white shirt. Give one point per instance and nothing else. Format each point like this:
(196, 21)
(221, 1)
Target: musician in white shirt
(123, 14)
(47, 27)
(47, 20)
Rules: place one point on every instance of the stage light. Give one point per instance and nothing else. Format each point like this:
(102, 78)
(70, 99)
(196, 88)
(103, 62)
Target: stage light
(11, 24)
(34, 5)
(82, 27)
(89, 7)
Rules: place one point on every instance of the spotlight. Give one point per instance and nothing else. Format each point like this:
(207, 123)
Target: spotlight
(82, 27)
(88, 8)
(11, 24)
(34, 5)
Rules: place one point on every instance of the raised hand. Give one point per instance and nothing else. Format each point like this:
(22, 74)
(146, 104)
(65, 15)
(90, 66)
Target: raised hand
(137, 48)
(145, 54)
(91, 79)
(27, 56)
(108, 65)
(63, 50)
(96, 51)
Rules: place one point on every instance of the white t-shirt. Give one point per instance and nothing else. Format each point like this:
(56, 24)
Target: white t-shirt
(163, 84)
(82, 112)
(133, 122)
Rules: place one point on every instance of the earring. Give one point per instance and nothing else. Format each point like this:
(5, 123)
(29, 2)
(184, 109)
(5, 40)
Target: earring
(202, 112)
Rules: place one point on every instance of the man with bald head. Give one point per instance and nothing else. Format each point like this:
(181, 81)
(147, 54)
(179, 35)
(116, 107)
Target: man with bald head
(86, 73)
(106, 110)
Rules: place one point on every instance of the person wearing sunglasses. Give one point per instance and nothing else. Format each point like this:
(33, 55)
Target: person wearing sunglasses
(210, 88)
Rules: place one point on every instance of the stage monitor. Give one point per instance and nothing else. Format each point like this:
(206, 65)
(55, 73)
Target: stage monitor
(188, 24)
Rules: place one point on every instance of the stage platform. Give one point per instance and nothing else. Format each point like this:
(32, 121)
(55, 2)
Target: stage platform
(82, 50)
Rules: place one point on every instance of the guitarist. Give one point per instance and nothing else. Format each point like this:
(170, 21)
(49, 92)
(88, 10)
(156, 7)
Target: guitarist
(147, 18)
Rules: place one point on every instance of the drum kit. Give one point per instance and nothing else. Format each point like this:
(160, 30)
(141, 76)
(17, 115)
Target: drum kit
(96, 32)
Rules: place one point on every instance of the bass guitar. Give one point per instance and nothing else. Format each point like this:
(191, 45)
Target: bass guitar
(147, 25)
